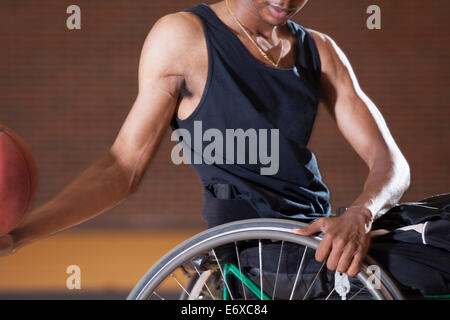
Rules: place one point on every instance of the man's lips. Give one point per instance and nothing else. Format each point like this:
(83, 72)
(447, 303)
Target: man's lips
(278, 12)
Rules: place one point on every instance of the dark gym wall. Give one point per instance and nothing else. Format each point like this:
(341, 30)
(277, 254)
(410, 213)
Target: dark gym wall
(68, 92)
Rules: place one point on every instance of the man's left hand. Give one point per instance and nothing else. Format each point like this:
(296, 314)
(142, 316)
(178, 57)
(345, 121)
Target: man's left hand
(345, 242)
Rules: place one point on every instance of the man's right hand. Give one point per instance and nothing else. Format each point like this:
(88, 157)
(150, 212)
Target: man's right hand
(6, 245)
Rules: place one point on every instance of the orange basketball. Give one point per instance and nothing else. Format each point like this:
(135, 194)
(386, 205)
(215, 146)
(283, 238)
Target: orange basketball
(18, 180)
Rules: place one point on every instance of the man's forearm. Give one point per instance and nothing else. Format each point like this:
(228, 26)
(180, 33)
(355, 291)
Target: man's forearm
(99, 188)
(386, 183)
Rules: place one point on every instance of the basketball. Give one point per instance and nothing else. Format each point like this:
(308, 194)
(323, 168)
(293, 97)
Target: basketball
(18, 179)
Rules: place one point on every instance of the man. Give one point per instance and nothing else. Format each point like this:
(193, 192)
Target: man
(239, 63)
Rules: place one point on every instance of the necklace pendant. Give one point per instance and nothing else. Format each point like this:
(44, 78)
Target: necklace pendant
(261, 51)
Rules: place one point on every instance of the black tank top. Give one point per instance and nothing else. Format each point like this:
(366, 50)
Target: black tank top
(244, 93)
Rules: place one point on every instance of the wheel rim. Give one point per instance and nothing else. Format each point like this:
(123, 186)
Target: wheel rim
(208, 243)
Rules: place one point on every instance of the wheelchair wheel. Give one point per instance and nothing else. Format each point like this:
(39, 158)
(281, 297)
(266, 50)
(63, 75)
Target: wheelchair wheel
(252, 259)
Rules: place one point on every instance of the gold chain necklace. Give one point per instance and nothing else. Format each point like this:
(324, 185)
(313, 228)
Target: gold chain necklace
(261, 51)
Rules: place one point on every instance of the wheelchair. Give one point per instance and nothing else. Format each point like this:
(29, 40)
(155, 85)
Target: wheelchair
(257, 259)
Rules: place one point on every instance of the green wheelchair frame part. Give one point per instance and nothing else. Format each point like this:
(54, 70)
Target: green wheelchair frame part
(439, 297)
(230, 268)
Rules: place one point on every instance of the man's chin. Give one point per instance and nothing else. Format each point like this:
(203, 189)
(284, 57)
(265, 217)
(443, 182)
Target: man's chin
(275, 16)
(274, 22)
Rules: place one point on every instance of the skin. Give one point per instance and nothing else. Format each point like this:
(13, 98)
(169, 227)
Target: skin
(171, 83)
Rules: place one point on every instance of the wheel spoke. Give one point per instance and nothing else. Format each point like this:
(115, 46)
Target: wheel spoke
(181, 286)
(156, 294)
(221, 272)
(263, 239)
(329, 295)
(298, 273)
(260, 268)
(240, 270)
(278, 271)
(207, 288)
(308, 292)
(358, 292)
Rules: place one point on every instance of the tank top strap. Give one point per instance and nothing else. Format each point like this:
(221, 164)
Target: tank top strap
(216, 30)
(308, 57)
(225, 43)
(221, 40)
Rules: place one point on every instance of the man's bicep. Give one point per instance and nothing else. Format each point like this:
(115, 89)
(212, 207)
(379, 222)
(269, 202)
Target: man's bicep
(357, 117)
(142, 131)
(160, 79)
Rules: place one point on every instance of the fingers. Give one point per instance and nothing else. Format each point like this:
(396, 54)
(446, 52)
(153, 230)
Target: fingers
(324, 248)
(357, 261)
(315, 227)
(325, 245)
(346, 258)
(341, 250)
(336, 253)
(355, 267)
(6, 245)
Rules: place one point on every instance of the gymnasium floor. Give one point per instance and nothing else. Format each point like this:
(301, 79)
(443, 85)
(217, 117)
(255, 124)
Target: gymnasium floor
(111, 262)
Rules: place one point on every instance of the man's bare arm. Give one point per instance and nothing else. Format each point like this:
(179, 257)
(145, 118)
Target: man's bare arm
(345, 242)
(117, 174)
(363, 126)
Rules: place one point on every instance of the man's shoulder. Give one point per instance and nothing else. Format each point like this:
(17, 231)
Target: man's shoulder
(320, 38)
(326, 46)
(184, 27)
(172, 43)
